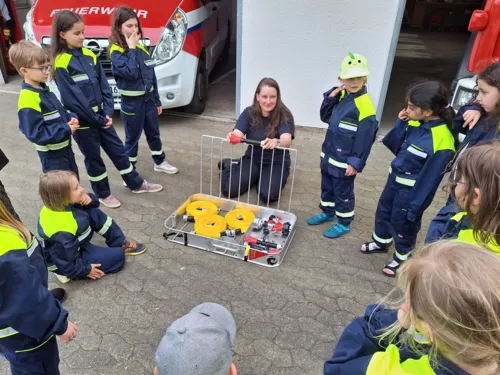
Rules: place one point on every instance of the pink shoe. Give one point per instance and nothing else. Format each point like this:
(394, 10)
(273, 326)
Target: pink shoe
(146, 187)
(110, 201)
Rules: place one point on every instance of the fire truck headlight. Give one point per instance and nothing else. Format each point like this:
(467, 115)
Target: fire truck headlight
(172, 39)
(462, 97)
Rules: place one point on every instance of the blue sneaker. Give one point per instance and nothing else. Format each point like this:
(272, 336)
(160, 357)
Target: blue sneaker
(320, 219)
(337, 230)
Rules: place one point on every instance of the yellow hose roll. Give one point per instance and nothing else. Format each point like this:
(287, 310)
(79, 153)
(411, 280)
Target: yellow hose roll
(240, 219)
(210, 225)
(201, 208)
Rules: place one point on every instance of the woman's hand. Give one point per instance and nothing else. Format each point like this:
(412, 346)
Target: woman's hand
(350, 171)
(159, 109)
(133, 39)
(270, 144)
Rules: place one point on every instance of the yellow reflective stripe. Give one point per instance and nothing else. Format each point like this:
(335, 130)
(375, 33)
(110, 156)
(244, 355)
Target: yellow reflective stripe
(6, 332)
(85, 127)
(33, 246)
(36, 347)
(98, 178)
(57, 221)
(380, 239)
(344, 214)
(116, 48)
(52, 268)
(51, 117)
(337, 163)
(459, 216)
(62, 61)
(327, 204)
(344, 125)
(414, 123)
(127, 113)
(140, 46)
(52, 147)
(132, 92)
(405, 181)
(417, 336)
(413, 150)
(128, 170)
(95, 108)
(365, 106)
(442, 139)
(80, 77)
(156, 152)
(10, 240)
(106, 226)
(401, 256)
(88, 52)
(149, 62)
(132, 159)
(29, 99)
(389, 362)
(322, 154)
(84, 235)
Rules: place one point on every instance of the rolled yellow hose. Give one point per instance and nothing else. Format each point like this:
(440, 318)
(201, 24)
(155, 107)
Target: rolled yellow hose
(210, 225)
(240, 219)
(201, 208)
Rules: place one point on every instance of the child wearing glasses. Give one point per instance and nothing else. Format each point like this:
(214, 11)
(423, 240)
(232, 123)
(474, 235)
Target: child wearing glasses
(42, 118)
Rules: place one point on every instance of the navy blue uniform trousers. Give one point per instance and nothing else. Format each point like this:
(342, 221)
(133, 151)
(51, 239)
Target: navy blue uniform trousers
(90, 140)
(337, 197)
(140, 113)
(41, 361)
(391, 220)
(62, 160)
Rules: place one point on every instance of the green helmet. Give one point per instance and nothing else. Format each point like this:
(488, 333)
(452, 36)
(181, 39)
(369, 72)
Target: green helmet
(353, 66)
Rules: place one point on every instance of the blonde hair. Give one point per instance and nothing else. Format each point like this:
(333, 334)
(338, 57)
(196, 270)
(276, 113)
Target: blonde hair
(8, 221)
(55, 189)
(25, 54)
(454, 288)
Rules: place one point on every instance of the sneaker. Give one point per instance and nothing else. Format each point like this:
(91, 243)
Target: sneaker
(110, 201)
(337, 230)
(166, 168)
(124, 184)
(59, 294)
(62, 279)
(146, 187)
(320, 219)
(133, 248)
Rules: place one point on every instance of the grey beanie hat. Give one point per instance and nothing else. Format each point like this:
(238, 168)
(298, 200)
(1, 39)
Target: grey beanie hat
(198, 343)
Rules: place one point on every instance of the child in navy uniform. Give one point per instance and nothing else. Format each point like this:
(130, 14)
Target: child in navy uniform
(134, 72)
(42, 118)
(67, 223)
(30, 316)
(85, 90)
(352, 127)
(424, 145)
(447, 322)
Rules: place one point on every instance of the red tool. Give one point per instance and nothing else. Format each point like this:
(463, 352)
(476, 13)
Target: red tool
(254, 241)
(234, 139)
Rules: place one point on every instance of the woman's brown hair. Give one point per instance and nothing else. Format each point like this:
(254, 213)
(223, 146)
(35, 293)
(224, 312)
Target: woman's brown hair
(479, 167)
(280, 114)
(454, 289)
(55, 189)
(122, 15)
(491, 76)
(63, 22)
(8, 221)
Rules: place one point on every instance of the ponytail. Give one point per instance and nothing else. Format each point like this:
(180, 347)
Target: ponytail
(447, 114)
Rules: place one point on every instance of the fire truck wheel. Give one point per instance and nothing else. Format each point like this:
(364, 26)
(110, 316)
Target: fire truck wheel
(199, 100)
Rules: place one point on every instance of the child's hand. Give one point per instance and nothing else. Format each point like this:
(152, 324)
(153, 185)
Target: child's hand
(70, 334)
(109, 123)
(337, 91)
(95, 272)
(133, 39)
(350, 171)
(73, 125)
(471, 117)
(86, 200)
(160, 110)
(403, 115)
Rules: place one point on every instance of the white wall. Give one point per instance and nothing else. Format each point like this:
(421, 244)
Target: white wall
(302, 43)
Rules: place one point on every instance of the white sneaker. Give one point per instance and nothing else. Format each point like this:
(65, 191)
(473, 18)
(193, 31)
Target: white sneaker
(165, 168)
(147, 187)
(62, 279)
(125, 184)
